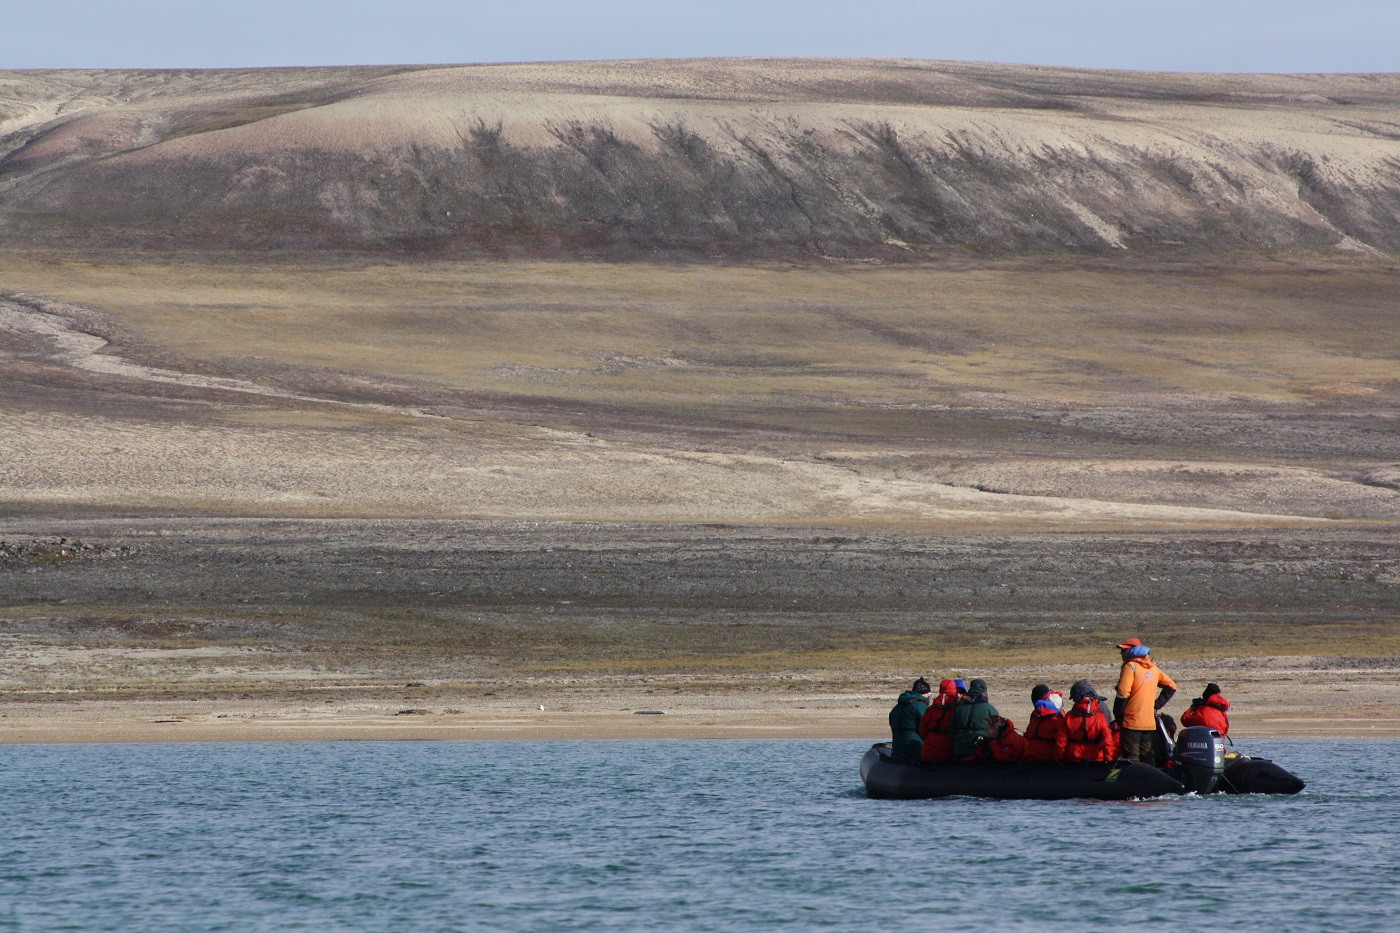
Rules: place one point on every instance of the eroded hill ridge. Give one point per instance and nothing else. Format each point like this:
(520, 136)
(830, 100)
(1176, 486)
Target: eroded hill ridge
(843, 159)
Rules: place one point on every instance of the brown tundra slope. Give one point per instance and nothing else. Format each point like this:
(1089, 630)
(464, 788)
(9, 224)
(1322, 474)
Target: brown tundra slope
(851, 159)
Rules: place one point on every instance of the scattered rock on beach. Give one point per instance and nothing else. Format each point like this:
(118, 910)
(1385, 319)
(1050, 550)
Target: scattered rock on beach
(53, 550)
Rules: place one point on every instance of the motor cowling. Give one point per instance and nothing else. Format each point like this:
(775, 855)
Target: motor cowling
(1199, 758)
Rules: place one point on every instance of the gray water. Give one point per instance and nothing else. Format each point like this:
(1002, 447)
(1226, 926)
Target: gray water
(674, 834)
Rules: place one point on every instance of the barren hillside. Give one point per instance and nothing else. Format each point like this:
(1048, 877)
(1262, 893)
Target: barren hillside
(845, 159)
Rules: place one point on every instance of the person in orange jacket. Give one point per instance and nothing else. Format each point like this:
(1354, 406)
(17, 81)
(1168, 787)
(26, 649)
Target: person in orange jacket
(1209, 709)
(1045, 733)
(1086, 727)
(1003, 742)
(936, 725)
(1143, 689)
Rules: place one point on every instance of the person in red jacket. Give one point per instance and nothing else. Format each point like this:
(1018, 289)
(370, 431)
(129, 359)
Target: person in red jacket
(1209, 709)
(1086, 727)
(1003, 742)
(1045, 733)
(934, 726)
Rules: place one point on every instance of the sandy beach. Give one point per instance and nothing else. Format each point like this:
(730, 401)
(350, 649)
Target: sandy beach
(1283, 704)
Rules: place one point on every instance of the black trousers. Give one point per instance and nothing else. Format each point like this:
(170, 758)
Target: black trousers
(1137, 745)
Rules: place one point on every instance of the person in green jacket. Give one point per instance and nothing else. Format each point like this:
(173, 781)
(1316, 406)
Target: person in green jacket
(970, 719)
(904, 720)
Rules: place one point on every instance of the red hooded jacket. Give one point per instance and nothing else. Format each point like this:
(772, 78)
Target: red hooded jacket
(1010, 745)
(1211, 711)
(934, 727)
(1088, 735)
(1045, 736)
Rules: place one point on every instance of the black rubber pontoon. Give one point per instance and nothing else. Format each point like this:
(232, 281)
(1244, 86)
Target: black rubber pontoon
(1258, 776)
(887, 778)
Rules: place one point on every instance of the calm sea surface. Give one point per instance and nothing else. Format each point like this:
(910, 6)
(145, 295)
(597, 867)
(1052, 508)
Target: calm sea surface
(677, 834)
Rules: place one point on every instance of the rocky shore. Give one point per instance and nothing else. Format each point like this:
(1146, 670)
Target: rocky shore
(278, 629)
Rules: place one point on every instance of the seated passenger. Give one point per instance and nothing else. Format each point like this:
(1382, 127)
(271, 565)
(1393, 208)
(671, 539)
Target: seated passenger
(1003, 742)
(970, 720)
(1209, 709)
(1045, 733)
(936, 728)
(1086, 727)
(908, 710)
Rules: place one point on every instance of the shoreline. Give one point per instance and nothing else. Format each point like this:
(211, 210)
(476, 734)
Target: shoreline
(162, 725)
(135, 630)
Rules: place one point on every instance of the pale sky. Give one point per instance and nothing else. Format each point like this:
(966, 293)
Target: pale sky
(1182, 35)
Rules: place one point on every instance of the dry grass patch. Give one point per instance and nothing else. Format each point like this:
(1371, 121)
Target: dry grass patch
(759, 335)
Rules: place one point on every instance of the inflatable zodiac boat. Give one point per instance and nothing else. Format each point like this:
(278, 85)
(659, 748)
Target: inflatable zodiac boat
(1199, 764)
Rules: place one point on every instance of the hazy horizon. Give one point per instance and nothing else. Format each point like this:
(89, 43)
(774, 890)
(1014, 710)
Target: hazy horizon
(1284, 36)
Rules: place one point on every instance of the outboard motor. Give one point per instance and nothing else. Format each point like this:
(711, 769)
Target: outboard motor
(1199, 757)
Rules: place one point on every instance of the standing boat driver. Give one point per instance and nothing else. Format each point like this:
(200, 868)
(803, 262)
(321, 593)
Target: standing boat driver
(908, 710)
(1143, 689)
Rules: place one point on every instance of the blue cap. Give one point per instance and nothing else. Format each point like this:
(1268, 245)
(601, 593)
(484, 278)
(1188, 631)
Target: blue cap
(960, 684)
(1141, 651)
